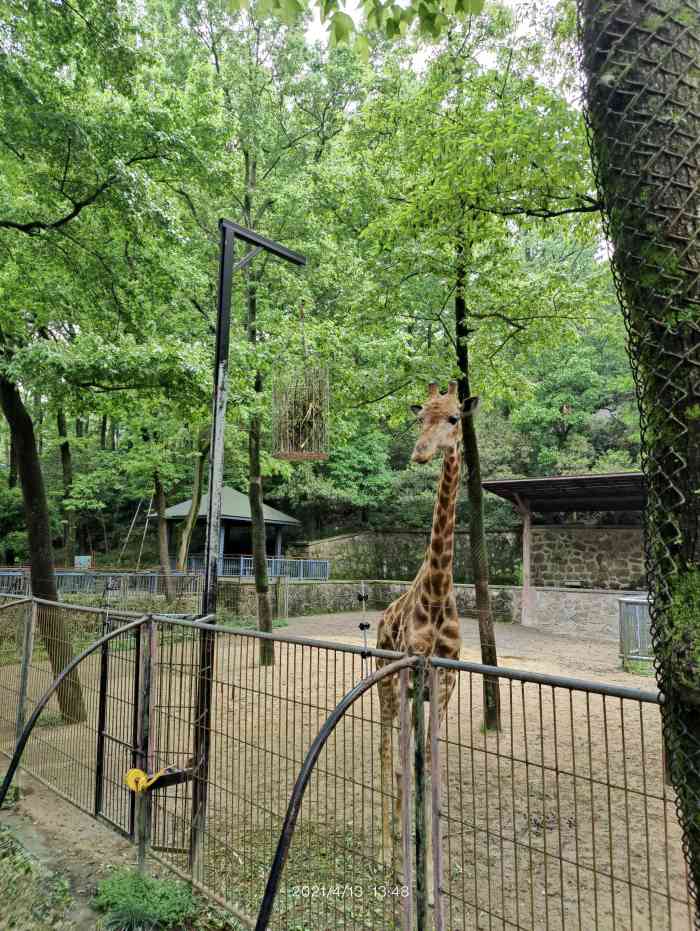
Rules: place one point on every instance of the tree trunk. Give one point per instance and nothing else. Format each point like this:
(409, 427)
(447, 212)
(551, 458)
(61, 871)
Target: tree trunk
(103, 432)
(191, 519)
(477, 536)
(67, 468)
(12, 474)
(52, 630)
(643, 103)
(159, 498)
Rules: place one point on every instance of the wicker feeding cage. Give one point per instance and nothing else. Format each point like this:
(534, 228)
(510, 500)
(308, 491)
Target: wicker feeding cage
(300, 414)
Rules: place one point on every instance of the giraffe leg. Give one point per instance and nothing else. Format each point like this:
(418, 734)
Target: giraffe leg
(445, 682)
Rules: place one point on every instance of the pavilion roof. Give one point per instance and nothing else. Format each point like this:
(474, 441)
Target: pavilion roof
(611, 491)
(234, 506)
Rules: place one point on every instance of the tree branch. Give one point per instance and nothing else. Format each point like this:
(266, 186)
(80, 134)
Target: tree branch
(41, 226)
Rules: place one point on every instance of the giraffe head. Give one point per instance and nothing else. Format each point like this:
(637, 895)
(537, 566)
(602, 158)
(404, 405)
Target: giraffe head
(440, 418)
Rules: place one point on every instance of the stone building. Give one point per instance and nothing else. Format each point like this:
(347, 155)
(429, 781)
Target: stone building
(560, 552)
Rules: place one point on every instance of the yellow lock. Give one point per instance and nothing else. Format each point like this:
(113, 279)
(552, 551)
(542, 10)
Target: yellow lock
(138, 781)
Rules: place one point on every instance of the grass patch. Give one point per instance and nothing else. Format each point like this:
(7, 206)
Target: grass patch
(32, 896)
(639, 667)
(133, 901)
(50, 719)
(332, 878)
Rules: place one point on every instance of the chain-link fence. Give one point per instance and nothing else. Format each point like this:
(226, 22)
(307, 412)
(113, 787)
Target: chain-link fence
(641, 60)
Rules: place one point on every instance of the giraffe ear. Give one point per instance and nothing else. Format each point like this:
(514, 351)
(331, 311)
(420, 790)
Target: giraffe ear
(416, 409)
(470, 406)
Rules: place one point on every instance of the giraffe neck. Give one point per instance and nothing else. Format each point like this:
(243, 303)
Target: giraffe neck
(441, 548)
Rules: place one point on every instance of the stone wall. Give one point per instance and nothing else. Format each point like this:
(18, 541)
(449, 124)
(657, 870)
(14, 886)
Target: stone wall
(596, 557)
(565, 612)
(398, 554)
(569, 612)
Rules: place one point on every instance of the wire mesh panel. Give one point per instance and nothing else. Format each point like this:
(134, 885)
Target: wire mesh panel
(300, 414)
(563, 819)
(262, 721)
(63, 749)
(14, 617)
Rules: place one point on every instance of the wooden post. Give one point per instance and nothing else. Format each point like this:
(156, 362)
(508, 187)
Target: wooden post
(405, 799)
(278, 543)
(419, 683)
(436, 786)
(527, 600)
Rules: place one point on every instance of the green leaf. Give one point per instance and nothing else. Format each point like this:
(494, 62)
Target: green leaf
(342, 27)
(290, 11)
(361, 46)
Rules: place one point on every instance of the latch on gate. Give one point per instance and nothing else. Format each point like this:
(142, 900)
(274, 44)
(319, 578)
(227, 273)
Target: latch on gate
(138, 781)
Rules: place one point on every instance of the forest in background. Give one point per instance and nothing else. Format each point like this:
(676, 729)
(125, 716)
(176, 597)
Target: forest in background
(395, 167)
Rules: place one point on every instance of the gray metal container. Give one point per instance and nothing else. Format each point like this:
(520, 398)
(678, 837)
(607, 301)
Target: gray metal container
(635, 629)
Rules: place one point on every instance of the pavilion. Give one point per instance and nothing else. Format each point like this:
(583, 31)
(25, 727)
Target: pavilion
(235, 534)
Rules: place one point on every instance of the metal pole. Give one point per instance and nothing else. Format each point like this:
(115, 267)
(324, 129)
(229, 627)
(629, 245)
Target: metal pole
(143, 799)
(218, 418)
(27, 650)
(419, 797)
(202, 720)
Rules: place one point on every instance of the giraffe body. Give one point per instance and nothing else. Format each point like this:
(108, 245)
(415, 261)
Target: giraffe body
(424, 619)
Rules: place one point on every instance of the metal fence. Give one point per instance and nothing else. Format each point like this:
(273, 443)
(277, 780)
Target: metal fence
(123, 591)
(277, 567)
(562, 819)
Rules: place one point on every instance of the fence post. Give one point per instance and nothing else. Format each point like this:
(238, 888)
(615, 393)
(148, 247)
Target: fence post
(143, 799)
(419, 797)
(27, 650)
(202, 742)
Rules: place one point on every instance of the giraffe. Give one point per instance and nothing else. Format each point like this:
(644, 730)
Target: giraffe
(424, 619)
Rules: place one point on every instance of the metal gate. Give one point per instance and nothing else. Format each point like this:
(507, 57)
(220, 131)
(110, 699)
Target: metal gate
(117, 725)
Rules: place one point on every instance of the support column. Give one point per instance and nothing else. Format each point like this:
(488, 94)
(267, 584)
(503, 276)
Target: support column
(278, 542)
(527, 605)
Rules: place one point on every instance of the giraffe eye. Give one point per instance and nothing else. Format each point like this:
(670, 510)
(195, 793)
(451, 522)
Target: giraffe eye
(453, 419)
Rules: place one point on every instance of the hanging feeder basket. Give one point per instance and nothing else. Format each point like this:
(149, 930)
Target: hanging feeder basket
(300, 415)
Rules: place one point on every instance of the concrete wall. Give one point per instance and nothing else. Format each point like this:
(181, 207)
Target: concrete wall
(398, 554)
(583, 613)
(599, 557)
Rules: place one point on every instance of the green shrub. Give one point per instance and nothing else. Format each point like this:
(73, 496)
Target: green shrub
(136, 902)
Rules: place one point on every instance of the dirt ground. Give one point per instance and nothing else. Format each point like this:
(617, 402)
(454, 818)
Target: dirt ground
(560, 820)
(518, 647)
(69, 843)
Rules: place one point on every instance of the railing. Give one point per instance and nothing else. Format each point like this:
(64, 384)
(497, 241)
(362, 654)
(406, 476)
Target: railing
(137, 591)
(562, 819)
(277, 567)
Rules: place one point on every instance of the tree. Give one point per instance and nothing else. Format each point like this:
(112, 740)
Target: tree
(643, 100)
(459, 170)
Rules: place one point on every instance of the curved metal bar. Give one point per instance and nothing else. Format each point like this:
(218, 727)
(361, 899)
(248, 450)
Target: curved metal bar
(44, 700)
(303, 779)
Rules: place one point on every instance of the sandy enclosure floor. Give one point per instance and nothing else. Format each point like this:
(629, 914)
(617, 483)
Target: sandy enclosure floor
(560, 820)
